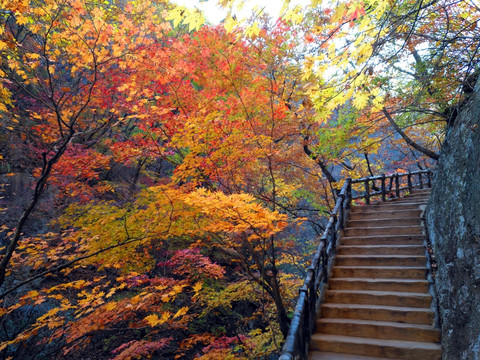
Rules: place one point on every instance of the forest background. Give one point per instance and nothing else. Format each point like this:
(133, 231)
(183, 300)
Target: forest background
(165, 180)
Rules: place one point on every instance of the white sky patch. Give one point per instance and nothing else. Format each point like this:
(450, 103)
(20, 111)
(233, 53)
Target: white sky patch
(215, 14)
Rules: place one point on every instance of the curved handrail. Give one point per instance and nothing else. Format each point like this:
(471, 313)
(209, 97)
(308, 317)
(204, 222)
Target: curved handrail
(312, 292)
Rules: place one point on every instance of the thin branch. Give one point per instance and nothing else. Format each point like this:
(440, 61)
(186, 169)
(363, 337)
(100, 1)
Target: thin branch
(407, 139)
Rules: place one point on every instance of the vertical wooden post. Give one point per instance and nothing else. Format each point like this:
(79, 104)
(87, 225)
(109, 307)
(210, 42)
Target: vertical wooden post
(312, 301)
(349, 194)
(397, 185)
(333, 239)
(383, 188)
(429, 179)
(347, 201)
(420, 178)
(410, 186)
(390, 187)
(325, 259)
(341, 214)
(367, 191)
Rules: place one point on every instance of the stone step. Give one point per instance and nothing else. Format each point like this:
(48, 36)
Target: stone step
(405, 299)
(425, 190)
(380, 272)
(404, 239)
(412, 198)
(387, 206)
(400, 285)
(408, 199)
(416, 193)
(417, 201)
(378, 312)
(382, 250)
(383, 230)
(391, 349)
(386, 214)
(379, 222)
(415, 196)
(419, 193)
(380, 260)
(324, 355)
(378, 329)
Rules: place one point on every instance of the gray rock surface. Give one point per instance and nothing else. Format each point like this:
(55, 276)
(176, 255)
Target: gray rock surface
(453, 221)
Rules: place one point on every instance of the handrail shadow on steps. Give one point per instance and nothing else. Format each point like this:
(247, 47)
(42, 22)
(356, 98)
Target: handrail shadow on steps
(311, 294)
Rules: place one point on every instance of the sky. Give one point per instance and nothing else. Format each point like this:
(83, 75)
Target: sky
(215, 14)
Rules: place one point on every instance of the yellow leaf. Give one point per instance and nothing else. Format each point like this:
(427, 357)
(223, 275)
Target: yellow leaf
(360, 101)
(152, 319)
(331, 48)
(110, 306)
(33, 294)
(194, 20)
(176, 15)
(294, 15)
(253, 30)
(177, 289)
(197, 287)
(181, 312)
(34, 56)
(229, 24)
(21, 20)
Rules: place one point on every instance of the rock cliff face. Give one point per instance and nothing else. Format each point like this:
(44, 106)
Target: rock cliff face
(453, 221)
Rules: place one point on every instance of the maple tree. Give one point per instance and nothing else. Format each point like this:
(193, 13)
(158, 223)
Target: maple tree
(55, 76)
(208, 108)
(404, 65)
(184, 170)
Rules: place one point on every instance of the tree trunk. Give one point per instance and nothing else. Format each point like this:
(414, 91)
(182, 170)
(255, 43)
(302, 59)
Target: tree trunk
(320, 163)
(39, 188)
(409, 141)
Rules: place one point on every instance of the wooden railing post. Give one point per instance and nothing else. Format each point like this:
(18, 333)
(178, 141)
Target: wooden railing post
(306, 316)
(324, 255)
(333, 238)
(397, 185)
(384, 192)
(367, 191)
(390, 187)
(410, 186)
(420, 180)
(347, 201)
(429, 179)
(341, 214)
(312, 302)
(349, 193)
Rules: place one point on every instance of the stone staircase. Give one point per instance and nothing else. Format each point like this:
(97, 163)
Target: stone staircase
(378, 305)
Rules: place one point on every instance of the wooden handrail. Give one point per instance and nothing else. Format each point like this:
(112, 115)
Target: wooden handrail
(311, 294)
(395, 188)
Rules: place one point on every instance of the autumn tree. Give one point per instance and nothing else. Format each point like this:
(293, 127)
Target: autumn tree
(57, 60)
(406, 66)
(402, 69)
(135, 92)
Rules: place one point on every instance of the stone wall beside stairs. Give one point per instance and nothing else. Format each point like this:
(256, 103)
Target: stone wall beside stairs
(453, 221)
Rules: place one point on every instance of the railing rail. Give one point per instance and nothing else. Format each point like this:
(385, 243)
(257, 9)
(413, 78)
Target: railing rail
(398, 183)
(312, 292)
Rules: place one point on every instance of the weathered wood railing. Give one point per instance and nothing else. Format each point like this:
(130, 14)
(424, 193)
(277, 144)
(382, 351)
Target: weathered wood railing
(311, 294)
(396, 185)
